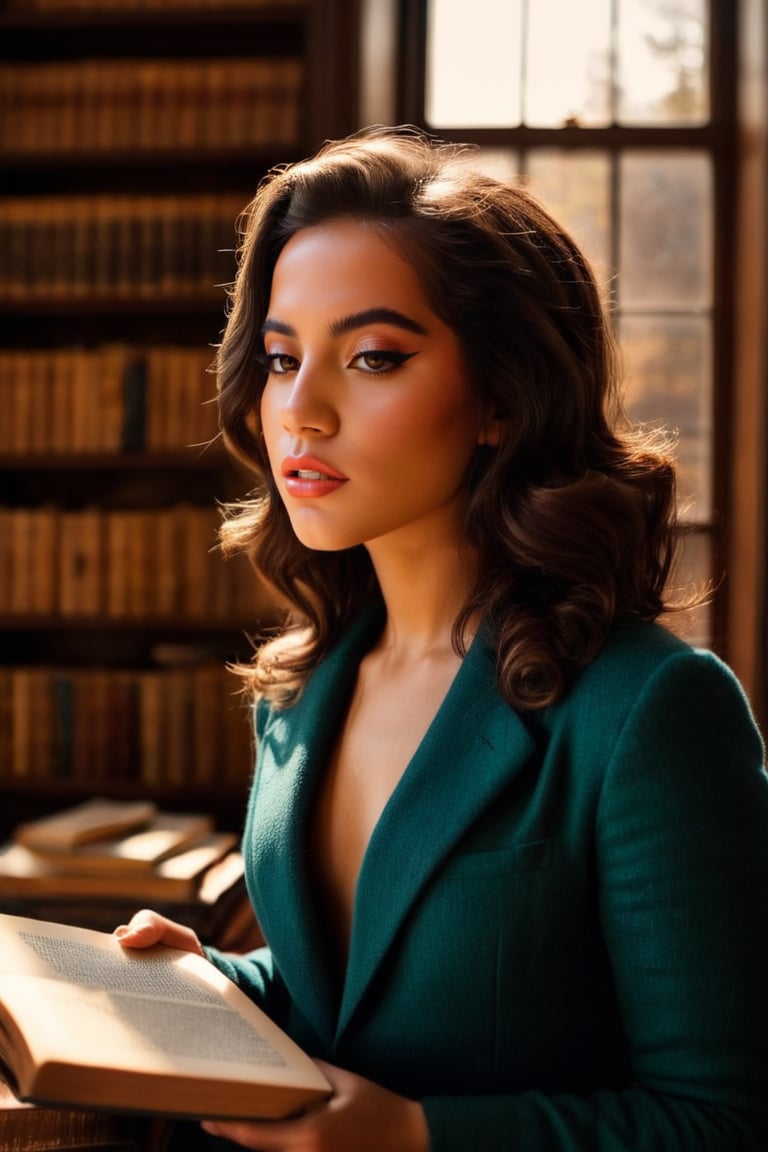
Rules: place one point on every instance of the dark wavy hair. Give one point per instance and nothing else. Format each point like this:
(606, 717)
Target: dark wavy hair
(573, 515)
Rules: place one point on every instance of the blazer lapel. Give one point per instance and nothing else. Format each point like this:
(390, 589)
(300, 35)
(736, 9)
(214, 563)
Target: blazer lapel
(473, 747)
(293, 752)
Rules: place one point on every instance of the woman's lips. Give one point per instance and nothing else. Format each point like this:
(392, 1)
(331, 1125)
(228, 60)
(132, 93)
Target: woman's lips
(308, 477)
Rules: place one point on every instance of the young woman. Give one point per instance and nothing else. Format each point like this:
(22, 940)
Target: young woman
(508, 836)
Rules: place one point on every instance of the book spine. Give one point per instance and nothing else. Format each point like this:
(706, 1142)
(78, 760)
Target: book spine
(122, 246)
(110, 399)
(159, 726)
(150, 104)
(150, 562)
(33, 560)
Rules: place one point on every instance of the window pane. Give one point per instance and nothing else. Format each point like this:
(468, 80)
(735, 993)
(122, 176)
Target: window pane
(500, 163)
(665, 255)
(693, 573)
(476, 59)
(567, 73)
(662, 52)
(667, 360)
(576, 188)
(473, 63)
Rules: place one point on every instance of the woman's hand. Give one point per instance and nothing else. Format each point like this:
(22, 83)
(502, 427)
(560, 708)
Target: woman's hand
(147, 928)
(360, 1114)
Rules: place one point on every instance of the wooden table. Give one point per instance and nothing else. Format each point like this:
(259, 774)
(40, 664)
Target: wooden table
(28, 1128)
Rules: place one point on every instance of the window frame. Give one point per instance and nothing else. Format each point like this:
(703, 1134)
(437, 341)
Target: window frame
(719, 139)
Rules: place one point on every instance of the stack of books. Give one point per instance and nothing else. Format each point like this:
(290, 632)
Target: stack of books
(95, 864)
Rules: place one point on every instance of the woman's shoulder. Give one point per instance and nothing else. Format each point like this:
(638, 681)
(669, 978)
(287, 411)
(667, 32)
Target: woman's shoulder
(636, 651)
(647, 674)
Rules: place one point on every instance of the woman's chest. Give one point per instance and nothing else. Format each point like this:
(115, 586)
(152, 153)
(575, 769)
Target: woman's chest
(382, 730)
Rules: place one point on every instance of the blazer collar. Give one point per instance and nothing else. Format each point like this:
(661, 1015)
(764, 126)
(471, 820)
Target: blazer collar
(473, 747)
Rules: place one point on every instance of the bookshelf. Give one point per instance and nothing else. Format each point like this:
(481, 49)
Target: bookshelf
(132, 132)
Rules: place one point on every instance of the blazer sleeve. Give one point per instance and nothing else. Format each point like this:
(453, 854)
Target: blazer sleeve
(681, 848)
(255, 972)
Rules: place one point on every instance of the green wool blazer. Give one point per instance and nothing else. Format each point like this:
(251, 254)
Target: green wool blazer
(560, 937)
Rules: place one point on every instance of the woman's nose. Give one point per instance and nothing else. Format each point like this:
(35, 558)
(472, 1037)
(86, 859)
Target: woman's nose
(307, 406)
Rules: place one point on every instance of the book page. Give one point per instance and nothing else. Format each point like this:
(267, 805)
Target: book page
(79, 993)
(154, 992)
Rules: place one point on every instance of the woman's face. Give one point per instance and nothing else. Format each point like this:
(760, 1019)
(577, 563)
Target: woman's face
(368, 415)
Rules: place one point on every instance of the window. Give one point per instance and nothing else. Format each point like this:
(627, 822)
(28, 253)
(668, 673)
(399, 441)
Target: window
(616, 113)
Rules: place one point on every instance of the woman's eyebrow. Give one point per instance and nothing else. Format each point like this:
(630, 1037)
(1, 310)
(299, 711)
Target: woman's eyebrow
(277, 326)
(376, 316)
(353, 321)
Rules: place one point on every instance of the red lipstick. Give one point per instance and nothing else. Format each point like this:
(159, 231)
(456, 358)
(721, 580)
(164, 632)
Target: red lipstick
(308, 477)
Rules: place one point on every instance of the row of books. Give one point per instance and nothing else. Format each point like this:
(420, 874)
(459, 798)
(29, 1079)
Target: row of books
(112, 398)
(159, 562)
(116, 245)
(178, 726)
(137, 5)
(116, 104)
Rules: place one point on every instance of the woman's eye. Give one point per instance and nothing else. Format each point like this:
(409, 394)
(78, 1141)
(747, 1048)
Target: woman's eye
(377, 363)
(279, 363)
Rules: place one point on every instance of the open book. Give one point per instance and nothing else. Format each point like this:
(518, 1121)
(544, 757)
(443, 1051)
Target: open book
(87, 1023)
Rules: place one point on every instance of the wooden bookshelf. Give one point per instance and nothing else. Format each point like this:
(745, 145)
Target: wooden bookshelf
(131, 135)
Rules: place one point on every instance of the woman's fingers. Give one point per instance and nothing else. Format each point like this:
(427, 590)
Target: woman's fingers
(146, 928)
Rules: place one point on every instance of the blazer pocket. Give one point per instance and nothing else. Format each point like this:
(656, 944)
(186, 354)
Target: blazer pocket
(528, 857)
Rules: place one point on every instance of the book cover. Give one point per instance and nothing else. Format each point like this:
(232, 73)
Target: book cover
(216, 907)
(24, 873)
(91, 820)
(134, 851)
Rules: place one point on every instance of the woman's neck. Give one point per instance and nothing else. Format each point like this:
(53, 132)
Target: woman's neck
(423, 591)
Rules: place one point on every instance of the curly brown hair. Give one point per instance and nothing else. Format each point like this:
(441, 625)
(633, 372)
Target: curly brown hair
(573, 515)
